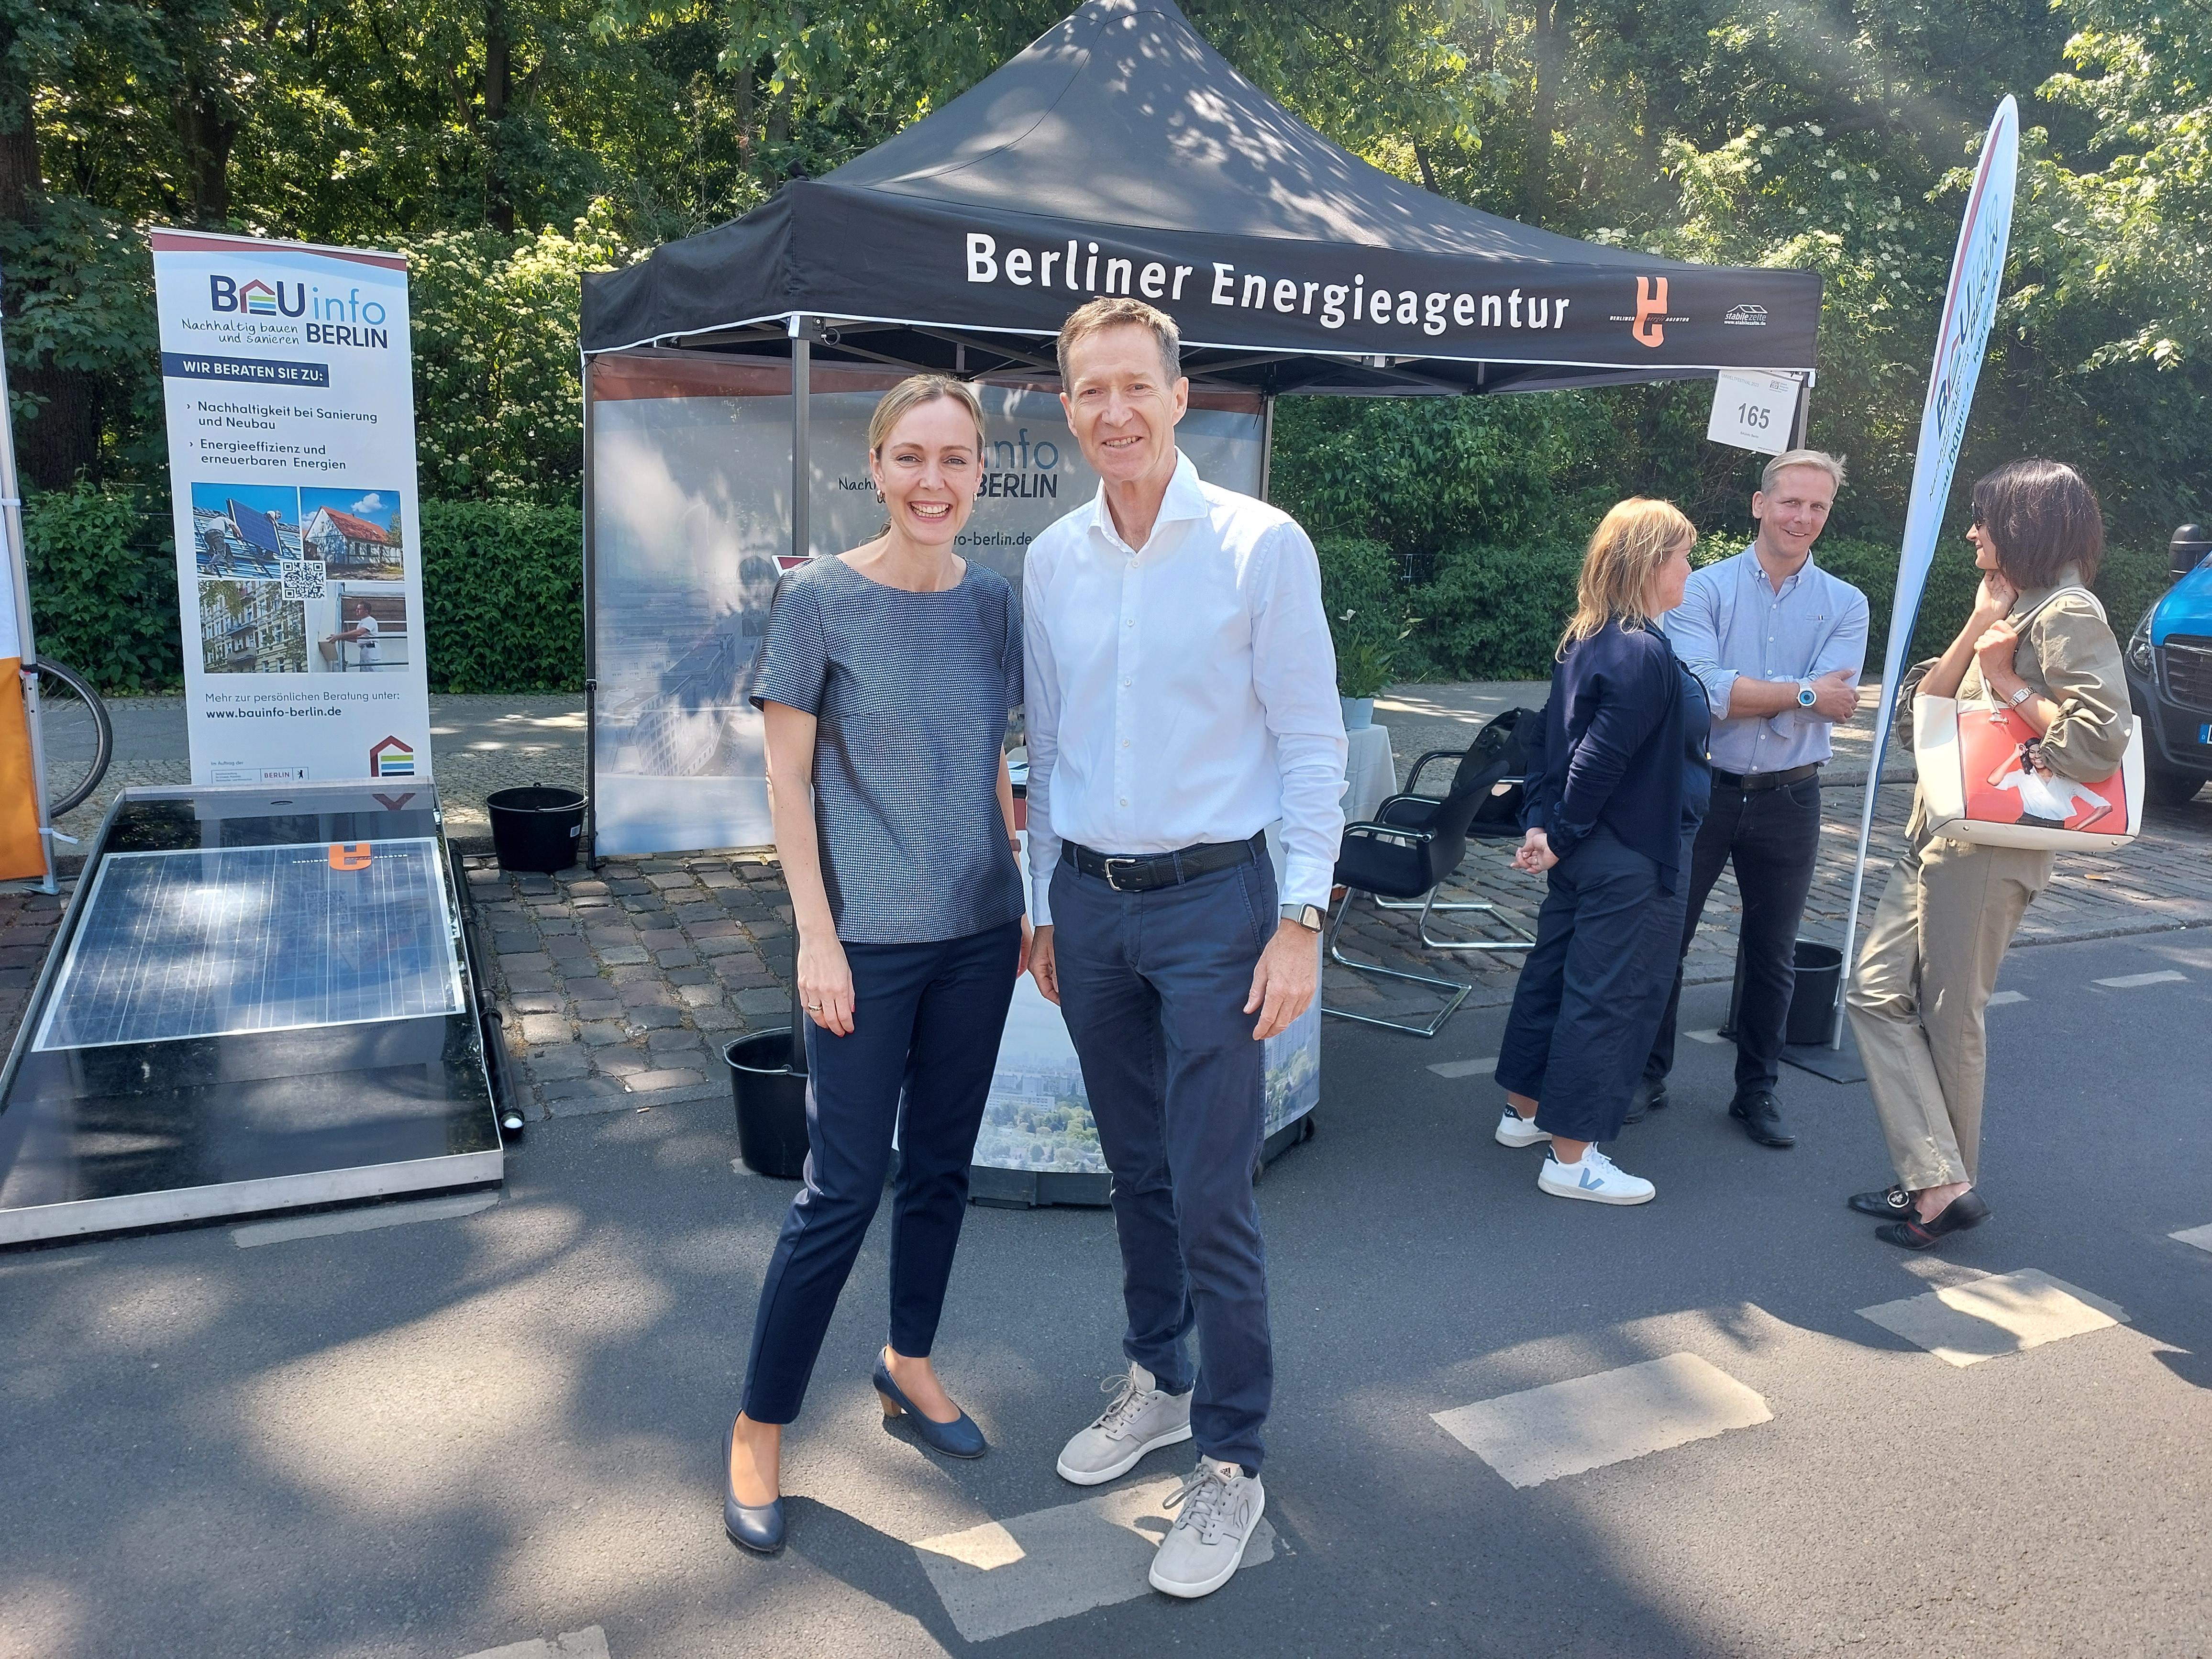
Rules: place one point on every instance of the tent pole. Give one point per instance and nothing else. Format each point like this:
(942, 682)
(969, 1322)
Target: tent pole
(591, 647)
(802, 546)
(1266, 441)
(1802, 422)
(11, 525)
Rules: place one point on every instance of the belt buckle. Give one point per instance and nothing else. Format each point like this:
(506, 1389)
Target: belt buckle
(1112, 881)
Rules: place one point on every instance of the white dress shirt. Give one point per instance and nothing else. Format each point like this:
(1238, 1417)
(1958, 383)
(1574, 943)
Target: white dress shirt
(1181, 692)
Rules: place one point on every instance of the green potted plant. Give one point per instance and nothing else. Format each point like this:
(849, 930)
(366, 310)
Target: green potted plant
(1366, 652)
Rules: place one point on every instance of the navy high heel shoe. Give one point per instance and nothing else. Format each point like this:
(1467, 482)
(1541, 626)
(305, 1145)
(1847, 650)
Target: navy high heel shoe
(755, 1526)
(958, 1438)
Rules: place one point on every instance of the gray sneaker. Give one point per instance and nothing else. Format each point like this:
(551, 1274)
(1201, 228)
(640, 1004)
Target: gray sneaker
(1221, 1506)
(1142, 1418)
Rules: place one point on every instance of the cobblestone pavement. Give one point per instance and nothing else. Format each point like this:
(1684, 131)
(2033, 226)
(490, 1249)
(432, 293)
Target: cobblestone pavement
(617, 988)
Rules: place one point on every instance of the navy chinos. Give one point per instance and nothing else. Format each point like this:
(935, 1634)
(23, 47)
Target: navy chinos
(1153, 987)
(1592, 987)
(927, 1020)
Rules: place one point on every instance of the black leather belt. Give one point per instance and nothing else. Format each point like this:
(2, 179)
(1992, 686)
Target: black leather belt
(1752, 782)
(1145, 872)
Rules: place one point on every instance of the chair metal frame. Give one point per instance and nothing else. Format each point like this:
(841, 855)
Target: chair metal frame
(1427, 904)
(1337, 926)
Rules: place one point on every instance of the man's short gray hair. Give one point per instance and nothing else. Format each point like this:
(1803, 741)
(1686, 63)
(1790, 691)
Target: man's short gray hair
(1121, 312)
(1831, 464)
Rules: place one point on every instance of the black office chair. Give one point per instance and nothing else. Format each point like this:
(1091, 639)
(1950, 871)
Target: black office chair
(1414, 844)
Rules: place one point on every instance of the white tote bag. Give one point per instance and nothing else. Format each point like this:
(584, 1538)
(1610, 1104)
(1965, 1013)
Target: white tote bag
(1982, 783)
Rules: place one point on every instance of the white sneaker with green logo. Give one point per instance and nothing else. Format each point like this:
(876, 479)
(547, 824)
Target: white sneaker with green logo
(1220, 1505)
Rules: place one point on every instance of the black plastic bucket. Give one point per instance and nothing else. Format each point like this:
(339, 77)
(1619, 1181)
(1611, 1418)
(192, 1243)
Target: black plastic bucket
(1813, 1003)
(771, 1102)
(539, 827)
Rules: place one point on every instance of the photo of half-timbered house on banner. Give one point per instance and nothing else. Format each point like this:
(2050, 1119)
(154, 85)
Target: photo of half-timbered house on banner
(355, 534)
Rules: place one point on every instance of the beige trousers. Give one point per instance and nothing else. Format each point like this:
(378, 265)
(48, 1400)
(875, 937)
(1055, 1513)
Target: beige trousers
(1923, 982)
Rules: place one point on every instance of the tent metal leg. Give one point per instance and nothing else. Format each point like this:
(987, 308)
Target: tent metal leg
(1459, 991)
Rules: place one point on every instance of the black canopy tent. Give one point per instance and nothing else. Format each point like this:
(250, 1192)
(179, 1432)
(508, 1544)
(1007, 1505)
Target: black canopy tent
(1121, 153)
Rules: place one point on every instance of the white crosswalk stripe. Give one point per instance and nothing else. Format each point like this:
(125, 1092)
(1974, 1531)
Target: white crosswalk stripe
(1465, 1067)
(1996, 1315)
(1704, 1037)
(1005, 1575)
(2132, 982)
(2200, 1236)
(589, 1642)
(2006, 999)
(1588, 1422)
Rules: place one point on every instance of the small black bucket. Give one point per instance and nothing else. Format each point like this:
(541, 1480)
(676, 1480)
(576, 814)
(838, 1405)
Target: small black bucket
(771, 1101)
(1813, 1003)
(537, 828)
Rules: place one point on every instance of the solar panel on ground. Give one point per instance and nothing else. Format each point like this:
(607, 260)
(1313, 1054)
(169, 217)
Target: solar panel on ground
(255, 527)
(225, 940)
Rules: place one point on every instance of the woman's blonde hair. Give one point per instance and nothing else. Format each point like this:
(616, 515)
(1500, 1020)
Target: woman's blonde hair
(1631, 543)
(912, 393)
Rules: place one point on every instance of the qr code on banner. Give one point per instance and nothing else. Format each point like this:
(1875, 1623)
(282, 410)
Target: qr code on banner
(303, 577)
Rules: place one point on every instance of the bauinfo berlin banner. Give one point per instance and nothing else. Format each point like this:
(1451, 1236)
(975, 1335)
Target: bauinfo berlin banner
(290, 385)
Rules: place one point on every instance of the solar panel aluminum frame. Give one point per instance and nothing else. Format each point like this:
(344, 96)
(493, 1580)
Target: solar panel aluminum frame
(164, 1207)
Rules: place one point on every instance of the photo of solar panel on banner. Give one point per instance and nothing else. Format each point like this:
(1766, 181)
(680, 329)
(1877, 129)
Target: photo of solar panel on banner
(221, 941)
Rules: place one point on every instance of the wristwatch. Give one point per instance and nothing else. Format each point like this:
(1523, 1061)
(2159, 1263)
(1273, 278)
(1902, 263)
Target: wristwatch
(1806, 696)
(1309, 916)
(2020, 697)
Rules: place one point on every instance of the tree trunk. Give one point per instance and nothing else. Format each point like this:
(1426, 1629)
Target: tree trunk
(20, 183)
(1546, 47)
(499, 72)
(62, 441)
(207, 139)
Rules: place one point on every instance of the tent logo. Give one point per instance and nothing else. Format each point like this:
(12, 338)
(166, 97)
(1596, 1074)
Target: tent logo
(1651, 311)
(391, 759)
(1745, 316)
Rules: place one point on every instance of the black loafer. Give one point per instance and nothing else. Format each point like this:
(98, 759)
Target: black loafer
(1650, 1097)
(1761, 1119)
(1963, 1212)
(1892, 1204)
(755, 1526)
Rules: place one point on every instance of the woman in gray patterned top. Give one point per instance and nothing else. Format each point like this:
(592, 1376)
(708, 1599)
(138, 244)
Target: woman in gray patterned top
(885, 680)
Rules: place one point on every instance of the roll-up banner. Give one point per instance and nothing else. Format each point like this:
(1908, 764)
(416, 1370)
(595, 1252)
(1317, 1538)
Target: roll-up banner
(1969, 304)
(288, 378)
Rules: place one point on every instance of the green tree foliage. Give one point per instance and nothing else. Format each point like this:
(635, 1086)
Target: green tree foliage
(103, 573)
(503, 596)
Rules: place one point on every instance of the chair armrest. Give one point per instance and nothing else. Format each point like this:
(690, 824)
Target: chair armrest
(1370, 831)
(1413, 777)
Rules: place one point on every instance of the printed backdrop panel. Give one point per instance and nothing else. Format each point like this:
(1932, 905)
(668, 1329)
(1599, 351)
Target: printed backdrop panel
(288, 378)
(692, 528)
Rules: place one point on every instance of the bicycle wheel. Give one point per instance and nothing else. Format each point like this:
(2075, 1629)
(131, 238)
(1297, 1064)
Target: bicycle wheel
(74, 727)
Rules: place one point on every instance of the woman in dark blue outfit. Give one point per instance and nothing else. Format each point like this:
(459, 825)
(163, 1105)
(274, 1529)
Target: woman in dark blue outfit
(1611, 814)
(885, 679)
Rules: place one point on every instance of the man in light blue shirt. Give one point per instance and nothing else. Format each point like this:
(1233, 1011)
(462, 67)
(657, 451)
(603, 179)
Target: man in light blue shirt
(1779, 644)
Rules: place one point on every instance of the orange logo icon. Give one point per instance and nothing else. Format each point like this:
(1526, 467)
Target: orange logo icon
(345, 856)
(1650, 309)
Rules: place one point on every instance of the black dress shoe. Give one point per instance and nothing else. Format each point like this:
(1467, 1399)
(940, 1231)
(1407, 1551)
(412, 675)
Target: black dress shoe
(1892, 1204)
(1963, 1212)
(755, 1526)
(1650, 1097)
(1761, 1119)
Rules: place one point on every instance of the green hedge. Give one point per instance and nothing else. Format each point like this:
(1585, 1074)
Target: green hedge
(503, 596)
(103, 575)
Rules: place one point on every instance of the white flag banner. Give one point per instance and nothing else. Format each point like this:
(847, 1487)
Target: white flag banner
(1969, 304)
(287, 373)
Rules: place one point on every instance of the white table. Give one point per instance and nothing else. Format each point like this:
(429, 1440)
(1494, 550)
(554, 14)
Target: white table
(1370, 772)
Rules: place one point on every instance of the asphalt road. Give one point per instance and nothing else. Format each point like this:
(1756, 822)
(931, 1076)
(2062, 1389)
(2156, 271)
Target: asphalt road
(437, 1438)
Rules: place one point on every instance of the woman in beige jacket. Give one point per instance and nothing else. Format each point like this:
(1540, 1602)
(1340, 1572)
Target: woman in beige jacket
(1950, 910)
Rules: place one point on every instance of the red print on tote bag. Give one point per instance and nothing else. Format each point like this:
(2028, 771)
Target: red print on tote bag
(2008, 781)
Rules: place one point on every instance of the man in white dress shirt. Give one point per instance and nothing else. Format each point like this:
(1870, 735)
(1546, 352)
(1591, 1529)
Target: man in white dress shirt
(1181, 698)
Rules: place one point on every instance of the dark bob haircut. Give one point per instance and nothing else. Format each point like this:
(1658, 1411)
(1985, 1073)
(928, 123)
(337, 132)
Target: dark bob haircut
(2043, 517)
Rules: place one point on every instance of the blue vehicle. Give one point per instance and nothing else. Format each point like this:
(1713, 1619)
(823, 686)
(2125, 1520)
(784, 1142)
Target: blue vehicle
(2170, 674)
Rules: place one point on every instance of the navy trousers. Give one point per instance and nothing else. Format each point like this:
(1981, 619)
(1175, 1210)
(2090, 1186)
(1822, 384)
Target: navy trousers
(1153, 986)
(1774, 837)
(927, 1020)
(1592, 988)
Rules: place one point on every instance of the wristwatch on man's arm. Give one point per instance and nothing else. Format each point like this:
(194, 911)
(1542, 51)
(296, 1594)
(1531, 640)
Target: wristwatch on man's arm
(1806, 696)
(1309, 916)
